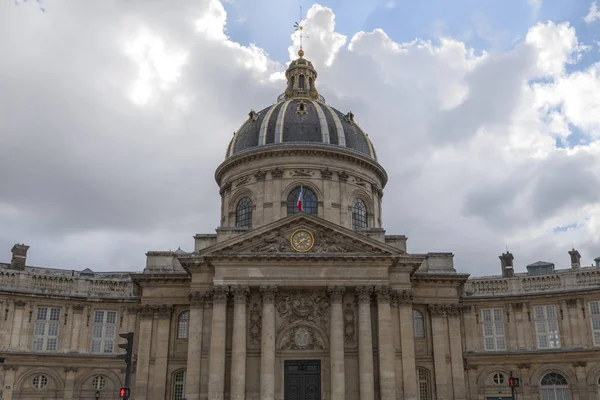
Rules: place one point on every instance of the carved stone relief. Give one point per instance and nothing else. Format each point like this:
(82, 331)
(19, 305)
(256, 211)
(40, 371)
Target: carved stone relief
(349, 324)
(277, 173)
(254, 325)
(311, 307)
(302, 338)
(301, 172)
(275, 244)
(328, 244)
(242, 181)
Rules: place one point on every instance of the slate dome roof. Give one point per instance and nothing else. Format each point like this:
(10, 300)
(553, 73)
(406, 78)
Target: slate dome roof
(300, 116)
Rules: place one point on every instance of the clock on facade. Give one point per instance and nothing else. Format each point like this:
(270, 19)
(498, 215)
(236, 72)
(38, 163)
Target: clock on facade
(302, 240)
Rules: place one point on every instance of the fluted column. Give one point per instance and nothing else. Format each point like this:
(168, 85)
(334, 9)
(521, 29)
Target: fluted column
(238, 350)
(194, 355)
(387, 354)
(440, 339)
(456, 352)
(336, 343)
(267, 344)
(216, 363)
(144, 340)
(407, 343)
(365, 343)
(17, 324)
(158, 388)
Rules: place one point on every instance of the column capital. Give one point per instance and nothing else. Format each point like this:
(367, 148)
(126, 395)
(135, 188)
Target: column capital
(336, 293)
(10, 367)
(220, 294)
(240, 293)
(197, 298)
(403, 296)
(71, 369)
(20, 303)
(78, 308)
(363, 293)
(163, 311)
(383, 293)
(145, 311)
(268, 293)
(444, 309)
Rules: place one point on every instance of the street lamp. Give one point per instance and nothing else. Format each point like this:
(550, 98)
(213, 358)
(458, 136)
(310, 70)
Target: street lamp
(97, 394)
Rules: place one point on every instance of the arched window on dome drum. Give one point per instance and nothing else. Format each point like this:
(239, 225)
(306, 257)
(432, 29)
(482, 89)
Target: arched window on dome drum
(554, 386)
(243, 213)
(310, 83)
(301, 82)
(178, 385)
(182, 325)
(359, 214)
(418, 325)
(310, 203)
(292, 81)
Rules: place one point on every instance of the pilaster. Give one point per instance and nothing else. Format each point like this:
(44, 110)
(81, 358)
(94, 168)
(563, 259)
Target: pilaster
(162, 315)
(407, 342)
(238, 350)
(70, 375)
(440, 339)
(194, 357)
(144, 342)
(336, 343)
(17, 324)
(267, 345)
(216, 362)
(365, 343)
(387, 356)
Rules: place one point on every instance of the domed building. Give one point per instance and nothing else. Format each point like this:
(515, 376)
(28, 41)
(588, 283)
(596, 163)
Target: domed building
(301, 295)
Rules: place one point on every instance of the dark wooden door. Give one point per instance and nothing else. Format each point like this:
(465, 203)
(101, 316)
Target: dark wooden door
(302, 380)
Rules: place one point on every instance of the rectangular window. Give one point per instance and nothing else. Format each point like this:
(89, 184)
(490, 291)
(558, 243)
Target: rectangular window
(546, 327)
(103, 331)
(45, 335)
(595, 321)
(493, 329)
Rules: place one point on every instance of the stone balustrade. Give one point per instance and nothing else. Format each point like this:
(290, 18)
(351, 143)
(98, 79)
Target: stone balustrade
(66, 282)
(561, 280)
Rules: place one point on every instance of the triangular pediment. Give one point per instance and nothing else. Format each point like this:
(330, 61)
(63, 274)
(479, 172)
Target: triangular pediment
(274, 239)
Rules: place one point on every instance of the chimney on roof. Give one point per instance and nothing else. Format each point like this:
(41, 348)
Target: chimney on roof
(19, 256)
(506, 261)
(597, 261)
(575, 258)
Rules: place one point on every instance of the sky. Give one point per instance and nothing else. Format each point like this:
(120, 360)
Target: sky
(114, 115)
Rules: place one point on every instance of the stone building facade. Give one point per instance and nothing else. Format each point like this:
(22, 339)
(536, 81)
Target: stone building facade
(318, 304)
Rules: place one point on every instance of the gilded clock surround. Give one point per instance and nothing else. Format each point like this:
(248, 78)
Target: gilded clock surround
(308, 236)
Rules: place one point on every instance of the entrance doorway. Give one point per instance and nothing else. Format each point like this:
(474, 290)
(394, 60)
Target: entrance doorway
(302, 380)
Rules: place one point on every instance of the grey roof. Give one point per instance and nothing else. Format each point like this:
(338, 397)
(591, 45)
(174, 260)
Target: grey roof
(301, 120)
(540, 264)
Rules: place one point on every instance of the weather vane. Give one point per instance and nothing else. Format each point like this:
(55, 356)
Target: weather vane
(299, 27)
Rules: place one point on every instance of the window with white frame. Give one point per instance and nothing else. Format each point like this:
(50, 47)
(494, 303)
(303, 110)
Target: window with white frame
(45, 335)
(424, 384)
(493, 329)
(554, 386)
(103, 331)
(595, 321)
(182, 325)
(178, 385)
(418, 324)
(546, 327)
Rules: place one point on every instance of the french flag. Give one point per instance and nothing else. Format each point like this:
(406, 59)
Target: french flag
(300, 198)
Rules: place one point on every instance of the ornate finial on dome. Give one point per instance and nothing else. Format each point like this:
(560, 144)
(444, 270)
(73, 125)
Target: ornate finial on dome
(301, 53)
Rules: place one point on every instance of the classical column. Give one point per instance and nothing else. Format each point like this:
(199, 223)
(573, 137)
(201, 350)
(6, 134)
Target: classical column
(336, 342)
(407, 343)
(10, 372)
(216, 362)
(387, 353)
(17, 324)
(440, 339)
(76, 331)
(267, 344)
(456, 352)
(365, 343)
(238, 350)
(158, 388)
(194, 358)
(70, 373)
(144, 340)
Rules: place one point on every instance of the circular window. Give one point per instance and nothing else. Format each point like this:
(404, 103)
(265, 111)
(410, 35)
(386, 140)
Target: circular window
(98, 382)
(39, 381)
(498, 378)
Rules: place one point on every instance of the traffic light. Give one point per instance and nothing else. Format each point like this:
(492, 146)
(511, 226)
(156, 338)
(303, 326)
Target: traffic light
(513, 382)
(124, 393)
(127, 346)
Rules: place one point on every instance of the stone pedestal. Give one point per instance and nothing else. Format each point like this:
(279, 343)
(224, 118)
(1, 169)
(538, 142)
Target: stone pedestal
(365, 343)
(336, 343)
(267, 344)
(238, 351)
(216, 364)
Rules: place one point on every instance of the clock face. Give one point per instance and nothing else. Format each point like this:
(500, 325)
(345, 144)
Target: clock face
(302, 240)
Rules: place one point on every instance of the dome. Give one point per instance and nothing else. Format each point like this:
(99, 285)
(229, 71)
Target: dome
(300, 116)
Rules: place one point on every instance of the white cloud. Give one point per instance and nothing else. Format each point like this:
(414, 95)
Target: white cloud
(95, 180)
(390, 4)
(593, 14)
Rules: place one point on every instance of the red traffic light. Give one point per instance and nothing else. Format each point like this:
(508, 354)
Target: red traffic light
(124, 393)
(513, 382)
